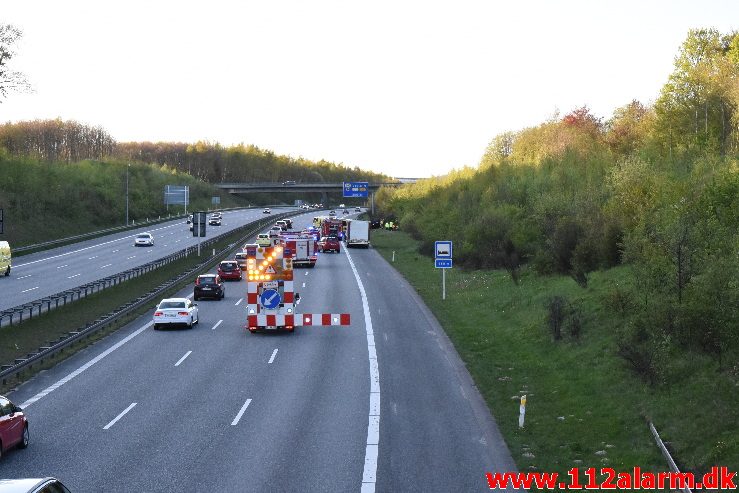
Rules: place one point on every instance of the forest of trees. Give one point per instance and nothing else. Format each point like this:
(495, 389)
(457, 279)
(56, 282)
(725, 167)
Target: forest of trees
(55, 141)
(655, 187)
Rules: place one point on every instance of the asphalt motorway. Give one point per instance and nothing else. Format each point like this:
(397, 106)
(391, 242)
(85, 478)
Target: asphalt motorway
(215, 408)
(41, 274)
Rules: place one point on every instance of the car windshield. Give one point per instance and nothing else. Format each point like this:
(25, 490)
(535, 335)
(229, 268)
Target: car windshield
(207, 280)
(145, 236)
(172, 304)
(228, 266)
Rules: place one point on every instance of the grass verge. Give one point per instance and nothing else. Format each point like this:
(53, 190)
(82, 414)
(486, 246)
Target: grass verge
(585, 408)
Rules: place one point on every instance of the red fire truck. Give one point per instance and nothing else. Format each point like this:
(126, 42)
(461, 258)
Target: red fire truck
(303, 248)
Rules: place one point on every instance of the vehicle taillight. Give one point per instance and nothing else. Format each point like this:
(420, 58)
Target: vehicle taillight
(182, 313)
(197, 281)
(158, 314)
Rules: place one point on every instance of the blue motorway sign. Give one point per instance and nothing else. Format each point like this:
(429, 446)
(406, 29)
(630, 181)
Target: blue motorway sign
(270, 298)
(356, 188)
(443, 263)
(443, 249)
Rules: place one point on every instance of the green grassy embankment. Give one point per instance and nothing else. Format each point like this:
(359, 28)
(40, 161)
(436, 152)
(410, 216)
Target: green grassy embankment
(585, 407)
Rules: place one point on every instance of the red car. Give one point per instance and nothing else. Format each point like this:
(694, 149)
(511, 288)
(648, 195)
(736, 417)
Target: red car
(229, 270)
(329, 244)
(13, 426)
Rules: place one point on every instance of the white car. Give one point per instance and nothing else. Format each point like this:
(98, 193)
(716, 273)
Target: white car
(176, 311)
(264, 240)
(266, 211)
(144, 239)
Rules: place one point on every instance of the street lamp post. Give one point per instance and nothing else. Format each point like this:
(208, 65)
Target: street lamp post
(127, 168)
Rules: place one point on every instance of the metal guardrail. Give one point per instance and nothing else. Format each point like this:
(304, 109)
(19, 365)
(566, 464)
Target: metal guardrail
(666, 454)
(50, 349)
(93, 234)
(36, 307)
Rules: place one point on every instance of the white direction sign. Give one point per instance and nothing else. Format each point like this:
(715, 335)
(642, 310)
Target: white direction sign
(443, 249)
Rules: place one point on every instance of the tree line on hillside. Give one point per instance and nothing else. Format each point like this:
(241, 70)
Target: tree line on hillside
(655, 187)
(57, 141)
(43, 201)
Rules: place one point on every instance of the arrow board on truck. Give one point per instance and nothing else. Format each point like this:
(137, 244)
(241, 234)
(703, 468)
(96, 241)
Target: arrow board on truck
(270, 299)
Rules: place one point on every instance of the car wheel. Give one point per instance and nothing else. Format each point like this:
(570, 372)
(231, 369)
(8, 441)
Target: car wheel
(223, 294)
(7, 271)
(156, 326)
(195, 298)
(190, 323)
(25, 438)
(1, 450)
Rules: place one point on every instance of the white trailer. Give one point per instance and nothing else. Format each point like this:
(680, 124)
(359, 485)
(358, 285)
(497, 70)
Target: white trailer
(358, 233)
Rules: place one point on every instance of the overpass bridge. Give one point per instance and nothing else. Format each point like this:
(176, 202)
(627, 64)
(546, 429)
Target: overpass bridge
(293, 187)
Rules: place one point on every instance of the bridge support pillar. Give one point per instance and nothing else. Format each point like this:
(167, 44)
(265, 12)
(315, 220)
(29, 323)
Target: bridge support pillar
(324, 199)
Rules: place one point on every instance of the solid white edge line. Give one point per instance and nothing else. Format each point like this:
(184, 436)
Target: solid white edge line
(84, 367)
(369, 474)
(183, 358)
(115, 420)
(272, 358)
(241, 413)
(369, 477)
(217, 324)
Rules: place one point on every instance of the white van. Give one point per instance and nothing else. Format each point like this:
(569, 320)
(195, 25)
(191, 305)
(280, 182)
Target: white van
(5, 258)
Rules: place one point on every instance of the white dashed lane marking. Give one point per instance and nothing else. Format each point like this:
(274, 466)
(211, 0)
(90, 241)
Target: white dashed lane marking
(183, 358)
(115, 420)
(241, 413)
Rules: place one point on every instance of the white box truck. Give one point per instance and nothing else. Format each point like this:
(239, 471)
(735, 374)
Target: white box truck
(357, 233)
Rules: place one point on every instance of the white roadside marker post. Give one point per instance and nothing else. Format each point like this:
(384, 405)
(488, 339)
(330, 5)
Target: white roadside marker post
(522, 411)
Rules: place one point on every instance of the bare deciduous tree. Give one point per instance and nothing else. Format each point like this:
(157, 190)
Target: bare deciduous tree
(10, 80)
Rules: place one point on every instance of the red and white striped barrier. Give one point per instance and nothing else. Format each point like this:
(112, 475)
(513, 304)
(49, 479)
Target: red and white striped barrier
(299, 319)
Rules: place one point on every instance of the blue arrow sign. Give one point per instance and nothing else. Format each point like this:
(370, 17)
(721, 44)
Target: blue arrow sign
(270, 298)
(443, 263)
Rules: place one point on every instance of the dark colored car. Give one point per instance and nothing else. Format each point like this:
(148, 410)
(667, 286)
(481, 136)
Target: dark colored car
(209, 286)
(229, 269)
(330, 244)
(13, 426)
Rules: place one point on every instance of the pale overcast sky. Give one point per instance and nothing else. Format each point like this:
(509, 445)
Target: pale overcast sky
(408, 88)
